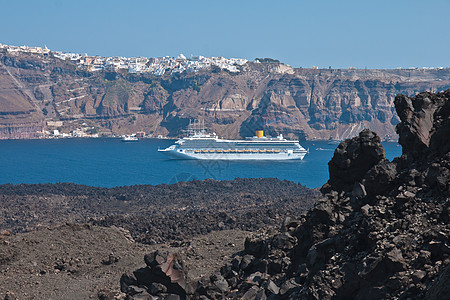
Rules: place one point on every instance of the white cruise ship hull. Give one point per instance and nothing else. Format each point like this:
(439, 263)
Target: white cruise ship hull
(210, 147)
(234, 156)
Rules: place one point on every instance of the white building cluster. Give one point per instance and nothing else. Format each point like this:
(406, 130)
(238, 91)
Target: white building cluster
(84, 131)
(25, 49)
(157, 65)
(160, 65)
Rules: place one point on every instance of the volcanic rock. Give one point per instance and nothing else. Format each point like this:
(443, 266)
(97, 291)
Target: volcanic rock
(353, 158)
(155, 214)
(381, 230)
(422, 117)
(165, 273)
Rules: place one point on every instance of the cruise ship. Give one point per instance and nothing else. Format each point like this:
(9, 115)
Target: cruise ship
(200, 145)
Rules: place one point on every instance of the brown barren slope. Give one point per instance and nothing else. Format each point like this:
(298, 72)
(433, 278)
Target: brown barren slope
(299, 103)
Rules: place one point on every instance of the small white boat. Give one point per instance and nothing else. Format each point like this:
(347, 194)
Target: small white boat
(129, 138)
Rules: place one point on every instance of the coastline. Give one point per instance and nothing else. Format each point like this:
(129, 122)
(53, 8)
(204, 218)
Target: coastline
(159, 138)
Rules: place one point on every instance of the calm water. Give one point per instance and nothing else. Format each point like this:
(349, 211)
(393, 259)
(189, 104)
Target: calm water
(110, 162)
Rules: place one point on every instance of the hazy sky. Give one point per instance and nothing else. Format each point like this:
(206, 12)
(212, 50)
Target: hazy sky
(302, 33)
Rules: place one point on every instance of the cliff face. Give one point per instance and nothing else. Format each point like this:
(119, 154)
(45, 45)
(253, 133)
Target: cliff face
(19, 116)
(300, 103)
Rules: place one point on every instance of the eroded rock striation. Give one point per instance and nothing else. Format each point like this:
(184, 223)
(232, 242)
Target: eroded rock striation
(380, 231)
(44, 92)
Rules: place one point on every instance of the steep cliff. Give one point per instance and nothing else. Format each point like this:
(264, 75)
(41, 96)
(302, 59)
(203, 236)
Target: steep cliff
(19, 116)
(300, 103)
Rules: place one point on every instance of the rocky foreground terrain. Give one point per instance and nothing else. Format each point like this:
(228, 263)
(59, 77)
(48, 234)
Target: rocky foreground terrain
(85, 262)
(381, 230)
(156, 214)
(40, 91)
(109, 230)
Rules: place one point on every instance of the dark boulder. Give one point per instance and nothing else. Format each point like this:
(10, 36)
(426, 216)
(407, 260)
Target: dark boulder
(353, 158)
(424, 123)
(164, 273)
(256, 246)
(380, 178)
(440, 289)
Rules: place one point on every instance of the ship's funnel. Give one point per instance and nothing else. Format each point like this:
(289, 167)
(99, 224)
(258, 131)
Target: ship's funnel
(260, 133)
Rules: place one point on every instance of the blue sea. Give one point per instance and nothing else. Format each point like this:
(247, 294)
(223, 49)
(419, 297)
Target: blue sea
(110, 163)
